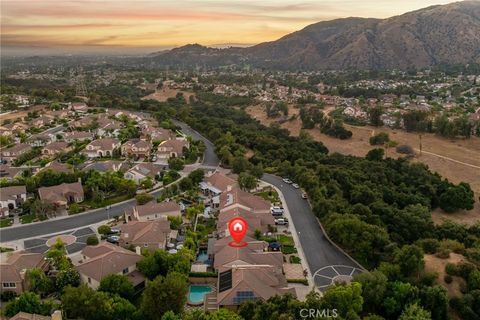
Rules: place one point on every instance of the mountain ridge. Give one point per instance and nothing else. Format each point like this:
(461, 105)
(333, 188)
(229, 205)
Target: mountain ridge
(439, 34)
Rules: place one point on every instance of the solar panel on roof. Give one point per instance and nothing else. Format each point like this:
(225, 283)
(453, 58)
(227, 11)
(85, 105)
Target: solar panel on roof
(225, 281)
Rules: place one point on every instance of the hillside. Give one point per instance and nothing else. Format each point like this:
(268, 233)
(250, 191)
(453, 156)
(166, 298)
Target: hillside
(447, 34)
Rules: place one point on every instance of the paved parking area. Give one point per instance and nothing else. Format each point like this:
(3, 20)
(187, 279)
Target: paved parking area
(77, 240)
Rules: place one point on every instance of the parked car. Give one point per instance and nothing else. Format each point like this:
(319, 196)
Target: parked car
(296, 186)
(286, 180)
(281, 221)
(276, 211)
(114, 230)
(304, 195)
(113, 239)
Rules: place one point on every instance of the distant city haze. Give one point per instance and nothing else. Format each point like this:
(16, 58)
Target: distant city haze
(133, 27)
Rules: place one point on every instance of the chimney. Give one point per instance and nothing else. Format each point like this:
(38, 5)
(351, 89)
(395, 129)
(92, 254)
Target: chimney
(229, 188)
(57, 315)
(138, 250)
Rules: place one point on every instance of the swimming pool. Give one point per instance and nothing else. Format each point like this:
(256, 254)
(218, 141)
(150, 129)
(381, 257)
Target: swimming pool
(197, 292)
(202, 256)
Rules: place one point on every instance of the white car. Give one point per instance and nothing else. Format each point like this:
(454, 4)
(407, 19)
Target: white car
(304, 195)
(296, 186)
(281, 221)
(286, 180)
(276, 211)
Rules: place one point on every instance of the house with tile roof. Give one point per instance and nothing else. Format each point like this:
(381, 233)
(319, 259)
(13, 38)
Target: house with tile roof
(102, 148)
(12, 271)
(144, 170)
(55, 148)
(63, 194)
(12, 153)
(171, 149)
(153, 211)
(104, 259)
(152, 235)
(136, 148)
(11, 198)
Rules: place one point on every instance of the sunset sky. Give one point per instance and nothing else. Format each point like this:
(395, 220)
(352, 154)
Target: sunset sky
(157, 24)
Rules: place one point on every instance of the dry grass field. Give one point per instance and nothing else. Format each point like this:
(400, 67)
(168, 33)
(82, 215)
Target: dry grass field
(437, 265)
(165, 93)
(20, 114)
(457, 160)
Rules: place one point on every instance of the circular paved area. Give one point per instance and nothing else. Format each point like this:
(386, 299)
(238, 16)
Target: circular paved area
(67, 239)
(326, 276)
(74, 241)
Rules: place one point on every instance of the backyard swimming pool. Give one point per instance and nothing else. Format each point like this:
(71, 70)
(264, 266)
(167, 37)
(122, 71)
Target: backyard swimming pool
(197, 292)
(202, 256)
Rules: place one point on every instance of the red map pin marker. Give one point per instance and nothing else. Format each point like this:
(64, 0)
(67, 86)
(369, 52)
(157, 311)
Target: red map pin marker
(238, 228)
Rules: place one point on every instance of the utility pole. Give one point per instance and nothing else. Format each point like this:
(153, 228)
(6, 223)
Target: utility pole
(420, 147)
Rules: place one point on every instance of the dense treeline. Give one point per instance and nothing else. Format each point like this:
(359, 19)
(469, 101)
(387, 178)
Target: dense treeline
(379, 211)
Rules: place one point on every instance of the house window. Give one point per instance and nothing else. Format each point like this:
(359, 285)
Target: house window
(9, 285)
(125, 271)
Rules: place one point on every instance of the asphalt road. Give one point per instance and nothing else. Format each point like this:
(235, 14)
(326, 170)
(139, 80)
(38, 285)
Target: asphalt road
(210, 159)
(318, 250)
(94, 216)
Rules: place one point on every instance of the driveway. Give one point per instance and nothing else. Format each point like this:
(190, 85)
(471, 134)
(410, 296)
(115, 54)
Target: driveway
(326, 262)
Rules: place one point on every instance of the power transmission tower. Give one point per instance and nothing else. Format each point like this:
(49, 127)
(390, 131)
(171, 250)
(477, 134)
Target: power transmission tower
(80, 88)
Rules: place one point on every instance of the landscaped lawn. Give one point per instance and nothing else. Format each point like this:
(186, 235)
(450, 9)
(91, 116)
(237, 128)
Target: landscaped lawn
(27, 218)
(269, 195)
(285, 240)
(288, 245)
(6, 222)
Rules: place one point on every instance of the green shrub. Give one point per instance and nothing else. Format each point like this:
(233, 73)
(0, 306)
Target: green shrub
(92, 241)
(294, 259)
(104, 229)
(443, 253)
(448, 278)
(302, 281)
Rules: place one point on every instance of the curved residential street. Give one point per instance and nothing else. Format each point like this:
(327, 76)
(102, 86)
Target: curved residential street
(326, 262)
(60, 225)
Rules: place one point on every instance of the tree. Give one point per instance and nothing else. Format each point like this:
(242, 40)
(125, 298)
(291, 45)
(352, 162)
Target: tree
(92, 240)
(86, 303)
(376, 154)
(42, 209)
(246, 181)
(143, 198)
(164, 294)
(257, 171)
(104, 229)
(196, 176)
(37, 281)
(374, 287)
(176, 164)
(379, 139)
(375, 114)
(185, 184)
(28, 302)
(117, 284)
(457, 197)
(240, 164)
(410, 260)
(415, 312)
(347, 299)
(435, 299)
(67, 277)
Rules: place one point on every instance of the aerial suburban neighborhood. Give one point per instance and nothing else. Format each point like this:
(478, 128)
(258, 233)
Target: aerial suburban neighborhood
(333, 173)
